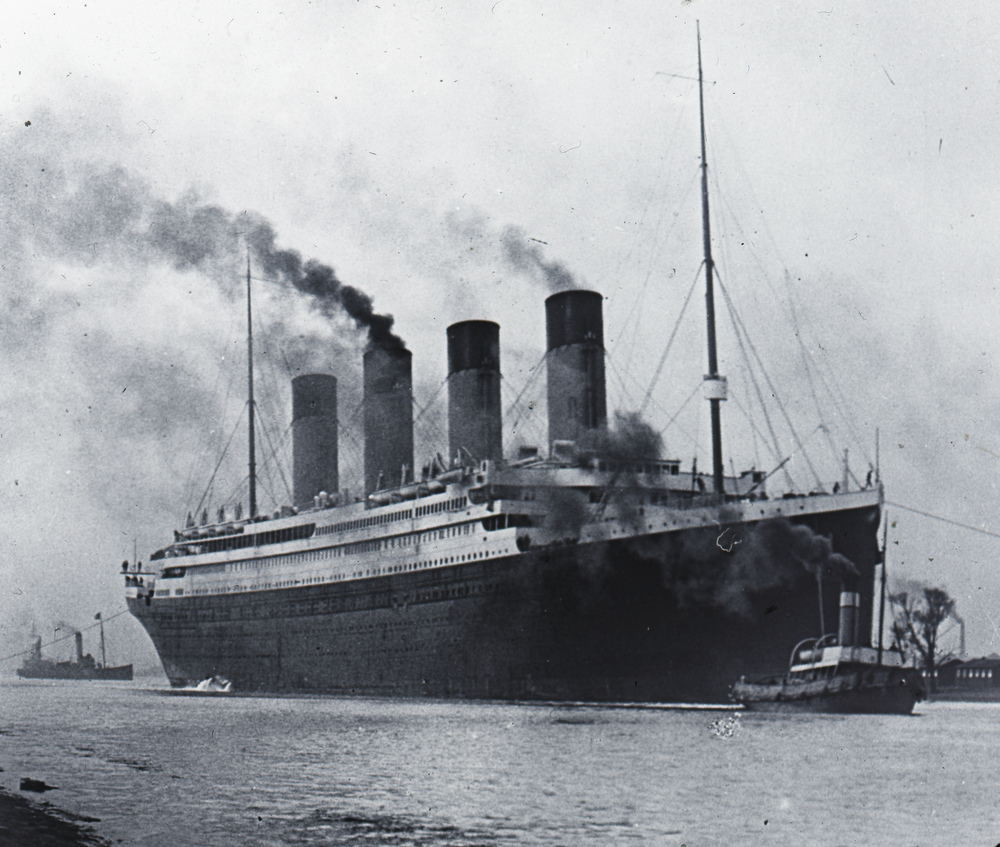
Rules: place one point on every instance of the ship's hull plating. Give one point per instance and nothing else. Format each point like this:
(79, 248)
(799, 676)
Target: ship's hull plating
(670, 617)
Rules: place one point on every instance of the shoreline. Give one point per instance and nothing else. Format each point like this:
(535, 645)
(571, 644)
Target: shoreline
(40, 824)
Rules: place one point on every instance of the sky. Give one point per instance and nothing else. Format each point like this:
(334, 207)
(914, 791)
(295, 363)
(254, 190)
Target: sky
(441, 162)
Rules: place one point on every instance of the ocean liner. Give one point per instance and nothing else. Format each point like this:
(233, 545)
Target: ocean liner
(593, 570)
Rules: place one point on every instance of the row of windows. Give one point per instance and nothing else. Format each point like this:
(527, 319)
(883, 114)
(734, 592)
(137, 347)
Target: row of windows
(371, 520)
(392, 517)
(975, 673)
(444, 506)
(238, 542)
(358, 547)
(408, 566)
(262, 585)
(658, 468)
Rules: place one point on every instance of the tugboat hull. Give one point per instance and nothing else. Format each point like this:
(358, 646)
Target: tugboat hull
(893, 691)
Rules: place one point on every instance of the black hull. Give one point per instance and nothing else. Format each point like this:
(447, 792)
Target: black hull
(895, 692)
(670, 617)
(71, 671)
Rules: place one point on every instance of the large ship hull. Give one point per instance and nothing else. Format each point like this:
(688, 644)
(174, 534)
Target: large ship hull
(674, 616)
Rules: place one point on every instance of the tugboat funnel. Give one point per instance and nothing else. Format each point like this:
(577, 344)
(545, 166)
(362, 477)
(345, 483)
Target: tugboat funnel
(850, 601)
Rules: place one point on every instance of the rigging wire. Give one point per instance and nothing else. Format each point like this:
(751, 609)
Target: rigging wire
(67, 637)
(618, 373)
(431, 431)
(775, 444)
(612, 368)
(670, 341)
(670, 423)
(655, 241)
(429, 403)
(835, 393)
(754, 429)
(770, 385)
(355, 457)
(349, 429)
(274, 456)
(636, 310)
(804, 353)
(194, 469)
(266, 485)
(535, 371)
(969, 527)
(222, 456)
(532, 429)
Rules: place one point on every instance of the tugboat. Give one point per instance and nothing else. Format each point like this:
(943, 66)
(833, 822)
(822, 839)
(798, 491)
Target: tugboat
(84, 667)
(834, 674)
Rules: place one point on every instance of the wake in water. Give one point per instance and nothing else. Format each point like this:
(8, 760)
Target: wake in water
(212, 685)
(215, 684)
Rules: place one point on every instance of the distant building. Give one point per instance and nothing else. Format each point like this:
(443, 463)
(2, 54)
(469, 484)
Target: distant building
(978, 673)
(947, 671)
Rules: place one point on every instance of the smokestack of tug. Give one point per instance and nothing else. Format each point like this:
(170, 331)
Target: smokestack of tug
(314, 437)
(474, 416)
(576, 394)
(850, 601)
(388, 385)
(79, 647)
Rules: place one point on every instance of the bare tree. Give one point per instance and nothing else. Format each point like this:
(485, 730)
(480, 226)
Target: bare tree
(916, 624)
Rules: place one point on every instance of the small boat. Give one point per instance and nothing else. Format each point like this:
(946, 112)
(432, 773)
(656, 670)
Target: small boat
(83, 667)
(835, 674)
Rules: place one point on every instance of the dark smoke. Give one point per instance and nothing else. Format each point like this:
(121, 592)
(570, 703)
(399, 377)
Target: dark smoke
(320, 282)
(729, 566)
(631, 440)
(523, 256)
(110, 214)
(814, 552)
(567, 511)
(85, 241)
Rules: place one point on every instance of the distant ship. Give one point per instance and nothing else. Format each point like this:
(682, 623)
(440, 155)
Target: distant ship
(591, 570)
(84, 666)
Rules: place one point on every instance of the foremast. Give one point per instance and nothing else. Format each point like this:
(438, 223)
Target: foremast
(252, 459)
(715, 385)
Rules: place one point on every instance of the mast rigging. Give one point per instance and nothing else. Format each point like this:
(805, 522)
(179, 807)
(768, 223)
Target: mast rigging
(250, 402)
(715, 385)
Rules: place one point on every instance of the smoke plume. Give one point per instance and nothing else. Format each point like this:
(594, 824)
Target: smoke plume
(526, 257)
(729, 566)
(320, 282)
(630, 440)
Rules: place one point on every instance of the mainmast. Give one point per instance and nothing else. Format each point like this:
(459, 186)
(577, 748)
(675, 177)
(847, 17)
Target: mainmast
(881, 598)
(715, 385)
(250, 402)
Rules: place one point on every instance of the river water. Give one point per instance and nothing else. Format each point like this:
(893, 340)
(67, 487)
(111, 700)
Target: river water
(163, 769)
